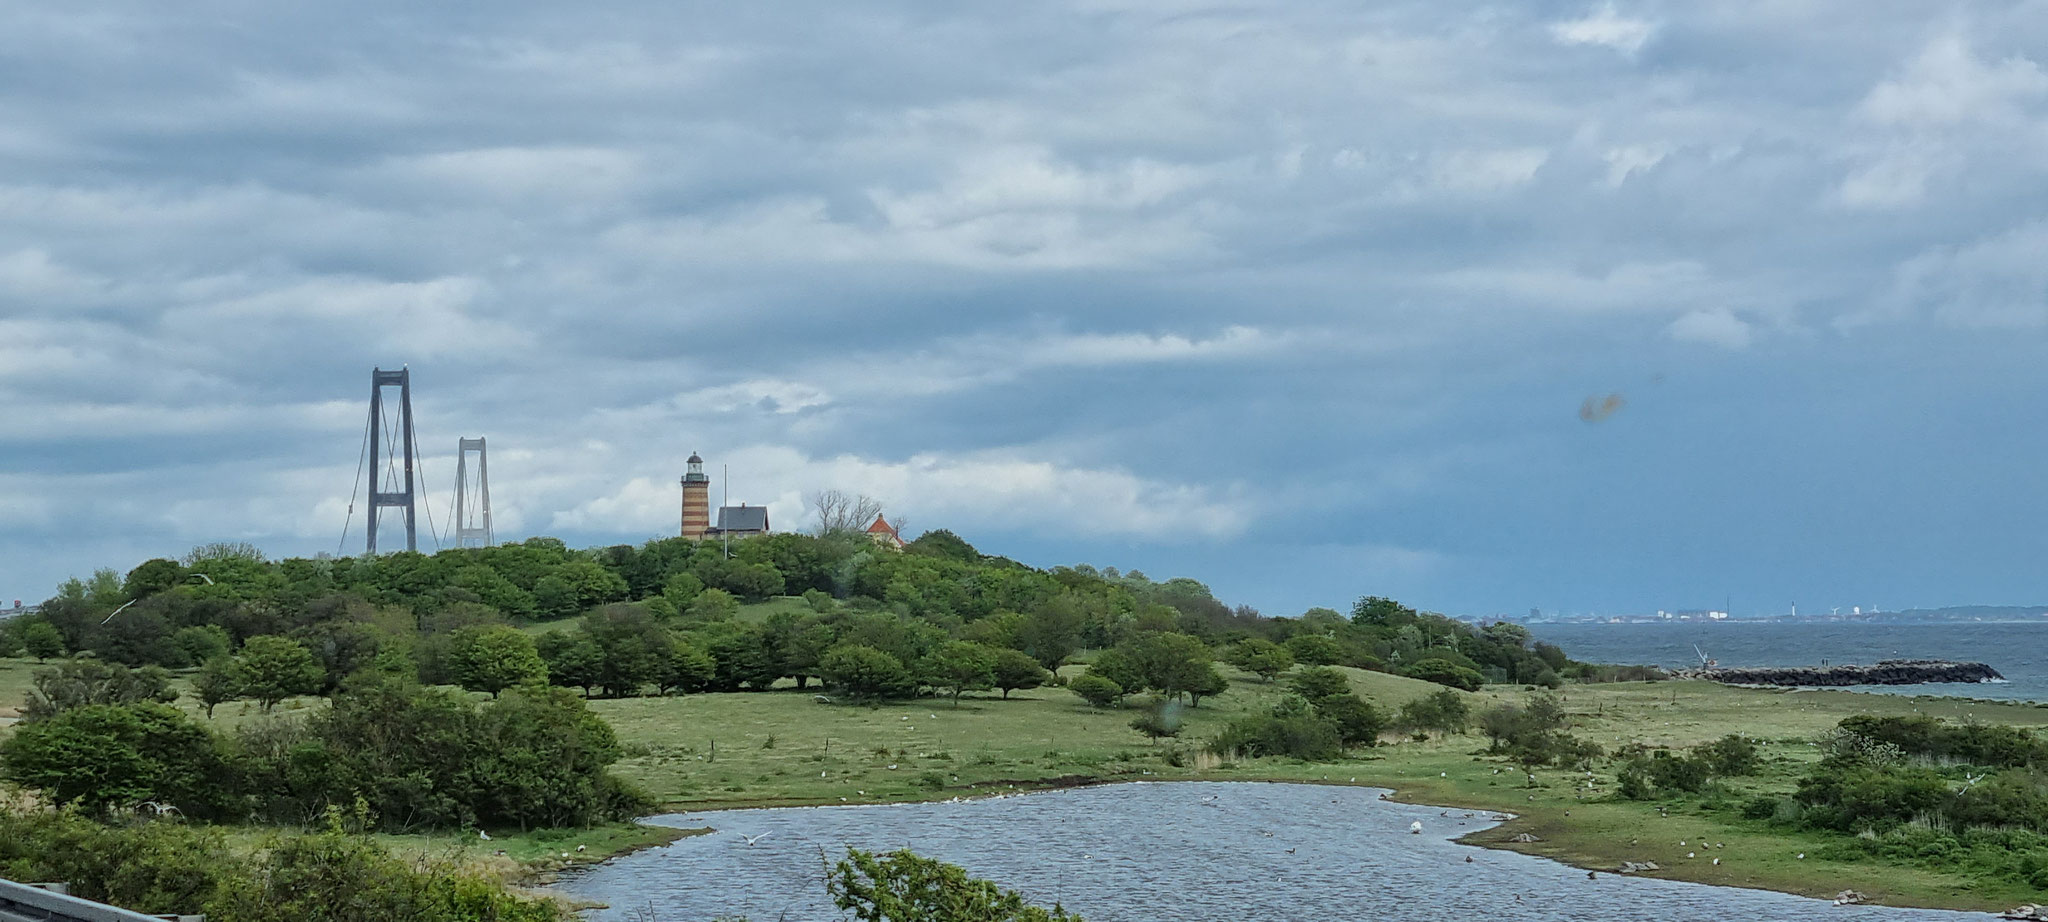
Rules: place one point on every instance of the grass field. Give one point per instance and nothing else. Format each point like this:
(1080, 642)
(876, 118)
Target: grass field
(709, 751)
(703, 752)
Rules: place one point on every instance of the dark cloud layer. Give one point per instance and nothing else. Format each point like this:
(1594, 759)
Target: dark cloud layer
(1299, 298)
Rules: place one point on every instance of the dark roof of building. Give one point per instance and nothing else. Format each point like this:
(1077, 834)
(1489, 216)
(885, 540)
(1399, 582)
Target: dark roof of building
(743, 518)
(694, 459)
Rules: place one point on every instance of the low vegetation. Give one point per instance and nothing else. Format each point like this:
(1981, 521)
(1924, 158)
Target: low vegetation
(529, 687)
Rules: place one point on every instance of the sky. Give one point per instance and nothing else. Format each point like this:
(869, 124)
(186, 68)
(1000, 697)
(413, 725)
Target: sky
(1592, 308)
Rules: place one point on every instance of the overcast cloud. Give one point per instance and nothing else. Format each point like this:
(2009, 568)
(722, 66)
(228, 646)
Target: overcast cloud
(1301, 299)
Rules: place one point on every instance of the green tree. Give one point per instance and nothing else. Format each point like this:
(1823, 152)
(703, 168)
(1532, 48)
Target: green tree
(865, 672)
(1262, 658)
(272, 668)
(1358, 722)
(152, 577)
(80, 683)
(902, 887)
(1373, 611)
(1205, 682)
(1096, 690)
(1015, 670)
(820, 601)
(961, 666)
(494, 658)
(555, 597)
(104, 755)
(572, 660)
(684, 667)
(1315, 682)
(41, 639)
(215, 683)
(714, 605)
(681, 589)
(1314, 649)
(1443, 711)
(202, 642)
(1444, 672)
(539, 759)
(1170, 663)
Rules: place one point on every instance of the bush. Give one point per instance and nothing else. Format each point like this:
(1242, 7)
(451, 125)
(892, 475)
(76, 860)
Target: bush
(105, 755)
(1314, 649)
(1358, 723)
(1301, 736)
(1095, 689)
(1445, 672)
(902, 887)
(1316, 682)
(865, 672)
(85, 682)
(1015, 670)
(1731, 756)
(1441, 711)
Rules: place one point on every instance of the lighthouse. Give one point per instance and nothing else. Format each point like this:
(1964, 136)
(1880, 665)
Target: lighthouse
(696, 500)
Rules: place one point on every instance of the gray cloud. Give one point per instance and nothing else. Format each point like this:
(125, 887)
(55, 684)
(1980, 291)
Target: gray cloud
(1150, 278)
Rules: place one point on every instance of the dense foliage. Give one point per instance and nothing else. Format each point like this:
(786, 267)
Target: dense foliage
(903, 887)
(661, 617)
(413, 757)
(169, 867)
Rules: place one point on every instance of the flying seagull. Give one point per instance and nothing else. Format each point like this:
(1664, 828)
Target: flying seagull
(753, 839)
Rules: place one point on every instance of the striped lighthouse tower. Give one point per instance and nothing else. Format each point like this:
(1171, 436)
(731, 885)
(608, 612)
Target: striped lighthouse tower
(696, 500)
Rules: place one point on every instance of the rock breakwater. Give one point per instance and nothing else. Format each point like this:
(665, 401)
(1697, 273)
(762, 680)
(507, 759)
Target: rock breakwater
(1884, 672)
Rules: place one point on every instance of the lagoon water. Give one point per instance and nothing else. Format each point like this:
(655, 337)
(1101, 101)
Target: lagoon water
(2019, 651)
(1183, 851)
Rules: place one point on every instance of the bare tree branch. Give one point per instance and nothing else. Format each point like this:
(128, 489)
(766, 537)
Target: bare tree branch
(839, 513)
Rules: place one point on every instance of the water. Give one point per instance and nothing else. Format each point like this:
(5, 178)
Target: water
(1190, 851)
(2019, 651)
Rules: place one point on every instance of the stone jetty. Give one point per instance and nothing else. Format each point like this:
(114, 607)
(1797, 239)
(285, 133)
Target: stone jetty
(1884, 672)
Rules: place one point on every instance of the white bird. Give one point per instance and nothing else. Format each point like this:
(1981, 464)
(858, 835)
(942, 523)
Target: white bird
(753, 839)
(483, 835)
(582, 847)
(1717, 862)
(1443, 774)
(1802, 856)
(1415, 828)
(1690, 855)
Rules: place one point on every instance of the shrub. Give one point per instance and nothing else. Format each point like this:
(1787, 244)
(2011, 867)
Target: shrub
(106, 755)
(902, 887)
(1292, 728)
(865, 672)
(1445, 672)
(1015, 670)
(1095, 689)
(1731, 756)
(85, 682)
(1442, 711)
(1358, 723)
(1316, 682)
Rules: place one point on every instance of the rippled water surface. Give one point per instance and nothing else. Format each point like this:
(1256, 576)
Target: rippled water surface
(2019, 651)
(1171, 851)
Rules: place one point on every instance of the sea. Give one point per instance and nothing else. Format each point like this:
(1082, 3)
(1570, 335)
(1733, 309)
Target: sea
(2018, 650)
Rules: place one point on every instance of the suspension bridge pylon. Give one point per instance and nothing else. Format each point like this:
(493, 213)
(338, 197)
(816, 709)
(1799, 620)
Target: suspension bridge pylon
(379, 497)
(472, 518)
